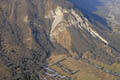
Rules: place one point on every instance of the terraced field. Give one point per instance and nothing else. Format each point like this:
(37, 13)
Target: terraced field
(68, 68)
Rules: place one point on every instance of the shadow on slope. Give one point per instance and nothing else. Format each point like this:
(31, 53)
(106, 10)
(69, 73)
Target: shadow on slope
(88, 7)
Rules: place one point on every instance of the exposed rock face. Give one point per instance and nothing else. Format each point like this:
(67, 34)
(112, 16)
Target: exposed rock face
(32, 32)
(105, 11)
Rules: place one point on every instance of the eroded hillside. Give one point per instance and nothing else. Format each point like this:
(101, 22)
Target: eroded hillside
(51, 40)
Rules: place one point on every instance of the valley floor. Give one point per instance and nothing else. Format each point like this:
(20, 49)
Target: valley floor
(62, 67)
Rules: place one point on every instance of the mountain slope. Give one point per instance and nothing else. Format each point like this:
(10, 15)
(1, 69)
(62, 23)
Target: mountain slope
(105, 11)
(50, 39)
